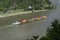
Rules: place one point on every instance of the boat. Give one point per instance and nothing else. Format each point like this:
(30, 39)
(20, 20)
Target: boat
(32, 19)
(29, 20)
(37, 18)
(15, 23)
(24, 21)
(44, 17)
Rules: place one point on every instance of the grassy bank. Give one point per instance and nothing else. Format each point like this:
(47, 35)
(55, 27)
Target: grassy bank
(19, 13)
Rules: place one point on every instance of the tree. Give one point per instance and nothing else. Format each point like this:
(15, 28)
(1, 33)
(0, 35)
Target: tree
(6, 5)
(54, 31)
(34, 38)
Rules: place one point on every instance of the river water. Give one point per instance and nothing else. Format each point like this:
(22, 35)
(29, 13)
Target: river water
(26, 31)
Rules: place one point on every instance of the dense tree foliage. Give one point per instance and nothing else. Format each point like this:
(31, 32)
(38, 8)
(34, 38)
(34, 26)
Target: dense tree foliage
(53, 32)
(6, 5)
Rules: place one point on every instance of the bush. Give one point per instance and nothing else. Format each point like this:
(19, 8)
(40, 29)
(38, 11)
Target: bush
(44, 38)
(50, 7)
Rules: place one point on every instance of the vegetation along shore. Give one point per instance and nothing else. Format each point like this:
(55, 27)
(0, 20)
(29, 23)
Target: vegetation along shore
(9, 7)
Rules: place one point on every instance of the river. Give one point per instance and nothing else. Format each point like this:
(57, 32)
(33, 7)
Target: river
(26, 31)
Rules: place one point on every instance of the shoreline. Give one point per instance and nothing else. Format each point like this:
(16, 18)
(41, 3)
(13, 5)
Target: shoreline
(19, 13)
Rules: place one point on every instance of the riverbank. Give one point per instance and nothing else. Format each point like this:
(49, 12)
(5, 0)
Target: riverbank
(19, 13)
(7, 20)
